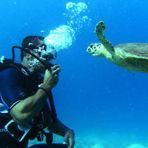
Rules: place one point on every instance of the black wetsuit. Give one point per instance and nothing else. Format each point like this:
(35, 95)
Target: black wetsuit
(14, 87)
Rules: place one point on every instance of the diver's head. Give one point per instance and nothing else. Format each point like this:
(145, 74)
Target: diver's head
(31, 43)
(96, 49)
(36, 45)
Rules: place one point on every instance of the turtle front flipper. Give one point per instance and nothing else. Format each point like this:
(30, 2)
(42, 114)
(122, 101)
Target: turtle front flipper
(100, 28)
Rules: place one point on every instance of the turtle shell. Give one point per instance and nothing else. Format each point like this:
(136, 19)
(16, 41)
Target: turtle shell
(139, 50)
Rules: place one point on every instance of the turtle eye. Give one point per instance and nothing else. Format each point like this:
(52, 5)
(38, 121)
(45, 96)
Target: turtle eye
(91, 46)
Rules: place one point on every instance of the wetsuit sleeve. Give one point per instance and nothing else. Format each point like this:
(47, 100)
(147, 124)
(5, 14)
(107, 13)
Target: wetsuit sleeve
(12, 88)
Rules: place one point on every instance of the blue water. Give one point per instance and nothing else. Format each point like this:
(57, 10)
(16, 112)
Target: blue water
(106, 105)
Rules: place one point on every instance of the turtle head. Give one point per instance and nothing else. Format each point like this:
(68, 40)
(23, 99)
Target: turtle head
(96, 49)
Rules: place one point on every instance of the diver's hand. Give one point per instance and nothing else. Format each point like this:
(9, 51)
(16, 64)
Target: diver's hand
(51, 77)
(69, 138)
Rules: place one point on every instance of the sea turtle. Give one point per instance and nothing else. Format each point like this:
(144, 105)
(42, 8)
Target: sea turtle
(132, 56)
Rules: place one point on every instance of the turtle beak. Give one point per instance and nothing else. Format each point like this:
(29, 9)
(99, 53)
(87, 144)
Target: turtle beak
(89, 49)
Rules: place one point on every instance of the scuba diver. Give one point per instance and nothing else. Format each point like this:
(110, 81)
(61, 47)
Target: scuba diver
(26, 96)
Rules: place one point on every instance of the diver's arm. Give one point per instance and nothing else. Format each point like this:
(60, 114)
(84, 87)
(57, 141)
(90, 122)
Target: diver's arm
(59, 128)
(24, 111)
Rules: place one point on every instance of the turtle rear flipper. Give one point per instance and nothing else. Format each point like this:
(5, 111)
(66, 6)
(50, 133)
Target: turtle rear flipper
(100, 28)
